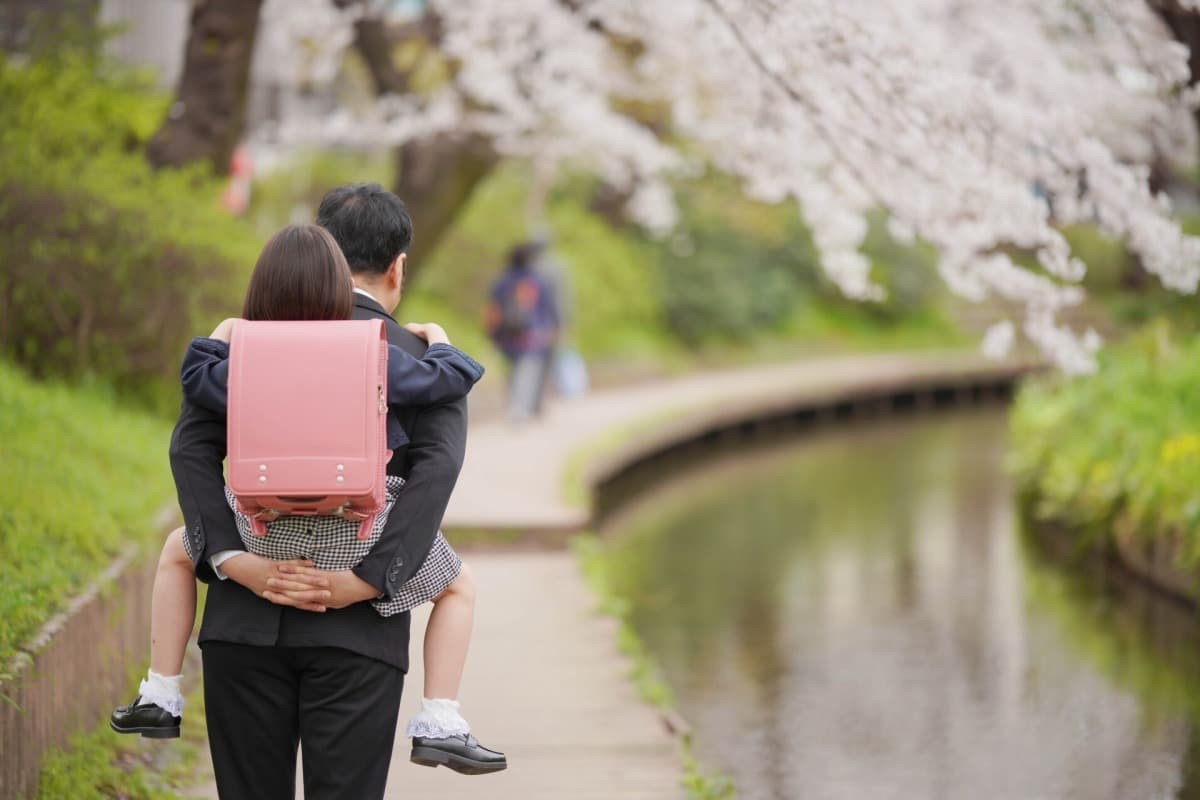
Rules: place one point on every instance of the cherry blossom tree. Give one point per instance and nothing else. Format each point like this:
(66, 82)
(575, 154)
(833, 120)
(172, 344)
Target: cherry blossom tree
(981, 128)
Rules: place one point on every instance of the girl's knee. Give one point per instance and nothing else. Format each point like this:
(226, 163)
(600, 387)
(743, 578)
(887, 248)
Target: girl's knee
(173, 552)
(465, 580)
(463, 586)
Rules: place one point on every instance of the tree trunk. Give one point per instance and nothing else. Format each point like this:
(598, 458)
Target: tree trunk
(436, 176)
(206, 120)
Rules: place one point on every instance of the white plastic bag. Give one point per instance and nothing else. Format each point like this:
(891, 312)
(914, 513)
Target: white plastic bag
(570, 373)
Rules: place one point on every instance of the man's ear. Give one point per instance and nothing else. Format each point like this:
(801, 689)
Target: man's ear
(395, 273)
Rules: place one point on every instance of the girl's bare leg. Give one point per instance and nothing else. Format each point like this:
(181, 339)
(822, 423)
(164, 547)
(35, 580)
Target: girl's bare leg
(156, 711)
(448, 635)
(440, 735)
(173, 612)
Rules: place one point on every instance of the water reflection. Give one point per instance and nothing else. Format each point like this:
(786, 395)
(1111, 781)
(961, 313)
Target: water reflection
(855, 616)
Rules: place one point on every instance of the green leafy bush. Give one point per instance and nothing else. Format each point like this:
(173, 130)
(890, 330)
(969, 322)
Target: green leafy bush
(734, 267)
(1120, 449)
(907, 272)
(108, 266)
(99, 765)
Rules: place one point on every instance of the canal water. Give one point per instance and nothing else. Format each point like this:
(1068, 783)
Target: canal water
(857, 614)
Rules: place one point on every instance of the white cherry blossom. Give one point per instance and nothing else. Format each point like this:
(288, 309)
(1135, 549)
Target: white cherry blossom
(977, 127)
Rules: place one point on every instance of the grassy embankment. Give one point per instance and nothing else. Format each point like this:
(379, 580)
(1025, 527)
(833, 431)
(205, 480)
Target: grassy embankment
(100, 765)
(81, 481)
(1117, 453)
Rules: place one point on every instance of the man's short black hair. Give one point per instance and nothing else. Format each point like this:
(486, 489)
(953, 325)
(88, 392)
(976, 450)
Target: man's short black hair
(370, 224)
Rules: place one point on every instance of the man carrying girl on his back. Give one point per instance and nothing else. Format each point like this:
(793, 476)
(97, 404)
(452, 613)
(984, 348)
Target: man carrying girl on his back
(293, 653)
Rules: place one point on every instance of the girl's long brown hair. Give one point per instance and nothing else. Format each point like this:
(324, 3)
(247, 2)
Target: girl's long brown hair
(301, 274)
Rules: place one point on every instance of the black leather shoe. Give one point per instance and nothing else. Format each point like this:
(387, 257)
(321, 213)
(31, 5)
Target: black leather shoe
(460, 753)
(145, 718)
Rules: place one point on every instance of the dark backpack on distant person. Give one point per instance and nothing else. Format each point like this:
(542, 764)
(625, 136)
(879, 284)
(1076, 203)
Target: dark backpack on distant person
(518, 306)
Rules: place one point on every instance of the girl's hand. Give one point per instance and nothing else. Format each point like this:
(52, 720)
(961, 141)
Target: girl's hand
(224, 330)
(429, 331)
(303, 585)
(270, 579)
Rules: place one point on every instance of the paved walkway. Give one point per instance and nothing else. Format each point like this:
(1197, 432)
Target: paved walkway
(545, 682)
(514, 478)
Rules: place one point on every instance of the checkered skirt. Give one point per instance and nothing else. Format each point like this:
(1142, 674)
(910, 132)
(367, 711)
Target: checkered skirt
(332, 543)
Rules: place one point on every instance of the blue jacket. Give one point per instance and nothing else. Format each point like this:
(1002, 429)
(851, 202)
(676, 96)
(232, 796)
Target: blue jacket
(444, 374)
(526, 288)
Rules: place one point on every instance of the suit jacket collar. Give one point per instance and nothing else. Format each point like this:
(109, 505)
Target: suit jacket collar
(369, 304)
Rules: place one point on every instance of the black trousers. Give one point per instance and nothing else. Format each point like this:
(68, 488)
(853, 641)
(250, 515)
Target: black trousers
(260, 702)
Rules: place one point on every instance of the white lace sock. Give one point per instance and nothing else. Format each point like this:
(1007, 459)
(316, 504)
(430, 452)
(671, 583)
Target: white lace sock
(163, 691)
(438, 719)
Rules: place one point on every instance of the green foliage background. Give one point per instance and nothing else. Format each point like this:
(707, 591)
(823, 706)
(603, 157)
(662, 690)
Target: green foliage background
(1118, 450)
(81, 480)
(109, 266)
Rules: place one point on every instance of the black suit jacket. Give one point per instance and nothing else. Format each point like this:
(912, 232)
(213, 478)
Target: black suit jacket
(430, 463)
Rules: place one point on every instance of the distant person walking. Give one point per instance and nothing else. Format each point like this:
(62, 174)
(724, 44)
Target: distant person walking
(523, 320)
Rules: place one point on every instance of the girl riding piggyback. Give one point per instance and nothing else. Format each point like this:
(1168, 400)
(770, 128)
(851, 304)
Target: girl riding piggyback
(302, 275)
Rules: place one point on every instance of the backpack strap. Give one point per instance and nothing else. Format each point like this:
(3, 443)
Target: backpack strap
(364, 527)
(259, 519)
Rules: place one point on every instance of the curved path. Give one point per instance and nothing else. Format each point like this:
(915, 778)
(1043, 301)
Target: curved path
(515, 478)
(545, 681)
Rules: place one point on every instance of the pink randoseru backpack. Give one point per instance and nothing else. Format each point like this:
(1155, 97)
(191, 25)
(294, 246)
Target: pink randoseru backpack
(307, 422)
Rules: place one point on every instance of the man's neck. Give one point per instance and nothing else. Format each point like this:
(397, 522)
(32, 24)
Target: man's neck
(375, 294)
(360, 290)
